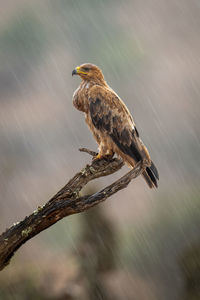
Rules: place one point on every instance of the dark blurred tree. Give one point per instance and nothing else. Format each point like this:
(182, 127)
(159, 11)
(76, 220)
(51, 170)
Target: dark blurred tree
(190, 266)
(97, 252)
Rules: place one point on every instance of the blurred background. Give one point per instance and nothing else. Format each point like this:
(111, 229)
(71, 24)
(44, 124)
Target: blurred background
(141, 244)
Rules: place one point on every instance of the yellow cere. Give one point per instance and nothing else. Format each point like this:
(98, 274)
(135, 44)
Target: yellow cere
(78, 69)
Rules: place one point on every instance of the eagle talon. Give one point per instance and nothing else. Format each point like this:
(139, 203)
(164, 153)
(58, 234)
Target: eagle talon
(97, 157)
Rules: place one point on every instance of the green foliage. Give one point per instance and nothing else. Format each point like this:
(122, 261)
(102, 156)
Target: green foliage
(23, 39)
(22, 44)
(95, 34)
(154, 250)
(20, 289)
(88, 3)
(165, 236)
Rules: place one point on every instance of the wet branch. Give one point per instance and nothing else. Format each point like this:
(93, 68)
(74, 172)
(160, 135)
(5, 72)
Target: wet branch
(66, 202)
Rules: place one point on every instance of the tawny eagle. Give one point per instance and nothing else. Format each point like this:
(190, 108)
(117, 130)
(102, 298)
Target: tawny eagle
(110, 121)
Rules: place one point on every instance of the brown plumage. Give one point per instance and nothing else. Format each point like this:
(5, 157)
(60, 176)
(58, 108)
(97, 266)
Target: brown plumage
(110, 121)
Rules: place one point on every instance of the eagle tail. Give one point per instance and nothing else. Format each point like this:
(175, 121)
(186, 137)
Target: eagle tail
(151, 176)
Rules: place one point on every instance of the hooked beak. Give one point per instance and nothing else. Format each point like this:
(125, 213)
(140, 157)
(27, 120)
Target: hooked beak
(78, 71)
(74, 72)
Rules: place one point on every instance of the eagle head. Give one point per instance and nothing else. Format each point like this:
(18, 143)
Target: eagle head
(89, 72)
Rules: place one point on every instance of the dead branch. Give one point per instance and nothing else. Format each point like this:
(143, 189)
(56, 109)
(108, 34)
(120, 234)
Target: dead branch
(66, 202)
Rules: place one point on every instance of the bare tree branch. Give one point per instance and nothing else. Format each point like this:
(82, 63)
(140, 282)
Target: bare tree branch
(66, 202)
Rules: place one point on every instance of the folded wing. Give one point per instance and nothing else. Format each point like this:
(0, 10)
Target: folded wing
(109, 114)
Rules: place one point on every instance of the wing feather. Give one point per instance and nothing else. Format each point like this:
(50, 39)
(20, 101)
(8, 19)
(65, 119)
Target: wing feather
(109, 114)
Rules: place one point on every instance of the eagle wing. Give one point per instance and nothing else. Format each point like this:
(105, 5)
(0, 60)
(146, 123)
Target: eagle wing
(109, 114)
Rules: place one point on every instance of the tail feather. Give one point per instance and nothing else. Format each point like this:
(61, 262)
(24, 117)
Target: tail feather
(148, 179)
(154, 170)
(151, 176)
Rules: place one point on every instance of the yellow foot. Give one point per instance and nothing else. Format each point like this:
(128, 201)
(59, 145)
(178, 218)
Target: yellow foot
(98, 157)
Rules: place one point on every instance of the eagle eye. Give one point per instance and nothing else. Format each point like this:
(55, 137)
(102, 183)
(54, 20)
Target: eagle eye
(85, 69)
